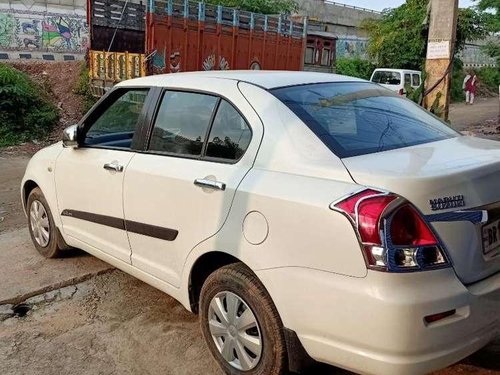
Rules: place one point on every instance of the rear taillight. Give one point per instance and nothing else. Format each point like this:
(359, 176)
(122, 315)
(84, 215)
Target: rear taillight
(401, 92)
(392, 233)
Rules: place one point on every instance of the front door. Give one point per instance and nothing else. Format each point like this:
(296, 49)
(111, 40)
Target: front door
(180, 191)
(89, 179)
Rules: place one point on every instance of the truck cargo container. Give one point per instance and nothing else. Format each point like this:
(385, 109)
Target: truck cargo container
(130, 39)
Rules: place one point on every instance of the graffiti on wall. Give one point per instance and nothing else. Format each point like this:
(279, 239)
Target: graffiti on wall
(9, 29)
(352, 47)
(43, 31)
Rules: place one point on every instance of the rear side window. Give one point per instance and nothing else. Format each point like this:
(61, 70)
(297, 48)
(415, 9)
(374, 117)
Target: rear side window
(416, 80)
(182, 123)
(407, 79)
(386, 78)
(230, 134)
(356, 118)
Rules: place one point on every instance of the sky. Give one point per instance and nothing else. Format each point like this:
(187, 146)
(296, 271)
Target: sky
(381, 4)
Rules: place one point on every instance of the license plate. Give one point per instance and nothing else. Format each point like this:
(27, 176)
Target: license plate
(491, 237)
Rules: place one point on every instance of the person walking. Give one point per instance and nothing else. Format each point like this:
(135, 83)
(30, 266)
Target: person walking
(469, 86)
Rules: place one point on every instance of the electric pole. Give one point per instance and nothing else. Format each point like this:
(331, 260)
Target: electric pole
(439, 62)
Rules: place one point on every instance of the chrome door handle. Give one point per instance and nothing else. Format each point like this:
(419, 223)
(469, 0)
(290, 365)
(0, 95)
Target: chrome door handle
(113, 167)
(203, 182)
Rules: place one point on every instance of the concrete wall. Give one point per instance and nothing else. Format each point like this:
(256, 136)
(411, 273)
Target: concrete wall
(34, 27)
(343, 21)
(340, 19)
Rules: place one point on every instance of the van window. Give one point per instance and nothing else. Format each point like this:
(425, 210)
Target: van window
(357, 118)
(387, 78)
(416, 80)
(407, 79)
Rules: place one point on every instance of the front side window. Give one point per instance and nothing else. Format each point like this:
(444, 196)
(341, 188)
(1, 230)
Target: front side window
(387, 78)
(230, 134)
(182, 122)
(357, 118)
(116, 125)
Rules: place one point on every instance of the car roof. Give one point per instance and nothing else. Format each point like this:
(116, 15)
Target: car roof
(266, 79)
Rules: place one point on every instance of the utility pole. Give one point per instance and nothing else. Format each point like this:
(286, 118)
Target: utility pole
(439, 62)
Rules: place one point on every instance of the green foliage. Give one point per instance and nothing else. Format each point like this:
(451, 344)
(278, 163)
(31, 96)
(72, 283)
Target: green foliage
(489, 77)
(492, 49)
(399, 38)
(492, 6)
(259, 6)
(457, 80)
(83, 88)
(354, 67)
(26, 113)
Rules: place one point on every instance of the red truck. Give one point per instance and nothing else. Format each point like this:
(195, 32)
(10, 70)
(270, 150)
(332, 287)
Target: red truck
(129, 39)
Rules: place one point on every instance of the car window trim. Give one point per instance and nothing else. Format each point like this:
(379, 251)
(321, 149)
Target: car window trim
(203, 156)
(100, 107)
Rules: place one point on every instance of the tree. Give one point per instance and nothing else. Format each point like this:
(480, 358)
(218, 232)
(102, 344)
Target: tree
(399, 38)
(492, 48)
(259, 6)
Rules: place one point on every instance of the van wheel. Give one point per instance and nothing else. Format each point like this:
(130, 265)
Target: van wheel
(41, 225)
(241, 324)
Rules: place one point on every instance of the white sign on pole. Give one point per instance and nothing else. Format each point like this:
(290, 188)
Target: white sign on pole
(438, 50)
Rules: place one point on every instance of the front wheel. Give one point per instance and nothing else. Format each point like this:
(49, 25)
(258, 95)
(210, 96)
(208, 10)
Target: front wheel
(41, 225)
(241, 324)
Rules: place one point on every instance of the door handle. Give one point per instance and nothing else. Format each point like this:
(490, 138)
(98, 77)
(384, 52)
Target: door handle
(203, 182)
(114, 166)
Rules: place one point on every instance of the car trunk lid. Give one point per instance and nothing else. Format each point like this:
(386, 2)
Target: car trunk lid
(461, 173)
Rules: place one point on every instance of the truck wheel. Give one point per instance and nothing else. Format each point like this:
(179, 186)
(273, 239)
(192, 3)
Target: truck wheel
(241, 324)
(41, 225)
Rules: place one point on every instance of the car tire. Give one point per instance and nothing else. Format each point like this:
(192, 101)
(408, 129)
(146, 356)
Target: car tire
(41, 225)
(236, 285)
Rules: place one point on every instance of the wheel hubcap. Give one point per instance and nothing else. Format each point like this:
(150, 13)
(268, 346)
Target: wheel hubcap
(235, 331)
(39, 222)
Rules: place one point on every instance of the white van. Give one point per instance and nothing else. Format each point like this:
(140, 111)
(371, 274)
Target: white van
(397, 79)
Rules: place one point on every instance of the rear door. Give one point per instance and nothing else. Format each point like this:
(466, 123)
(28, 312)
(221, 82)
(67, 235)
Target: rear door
(178, 192)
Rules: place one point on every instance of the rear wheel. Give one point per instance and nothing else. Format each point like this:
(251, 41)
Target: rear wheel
(41, 225)
(241, 324)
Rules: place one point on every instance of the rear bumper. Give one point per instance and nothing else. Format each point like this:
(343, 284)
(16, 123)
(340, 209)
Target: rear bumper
(376, 324)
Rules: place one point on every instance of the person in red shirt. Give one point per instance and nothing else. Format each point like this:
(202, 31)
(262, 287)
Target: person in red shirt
(470, 85)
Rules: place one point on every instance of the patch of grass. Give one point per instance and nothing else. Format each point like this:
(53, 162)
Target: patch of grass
(26, 112)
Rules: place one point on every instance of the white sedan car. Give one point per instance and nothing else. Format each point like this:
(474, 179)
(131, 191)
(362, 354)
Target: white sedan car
(301, 215)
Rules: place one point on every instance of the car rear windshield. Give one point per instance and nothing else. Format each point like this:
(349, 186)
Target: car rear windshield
(386, 77)
(357, 118)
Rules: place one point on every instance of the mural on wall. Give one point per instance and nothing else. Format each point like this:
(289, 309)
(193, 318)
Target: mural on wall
(43, 31)
(9, 28)
(352, 47)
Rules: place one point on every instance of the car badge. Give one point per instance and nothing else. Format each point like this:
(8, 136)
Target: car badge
(444, 203)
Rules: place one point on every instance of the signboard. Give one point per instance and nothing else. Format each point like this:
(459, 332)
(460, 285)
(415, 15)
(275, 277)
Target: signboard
(438, 50)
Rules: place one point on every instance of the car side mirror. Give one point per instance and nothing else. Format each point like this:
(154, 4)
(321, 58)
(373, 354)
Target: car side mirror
(70, 136)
